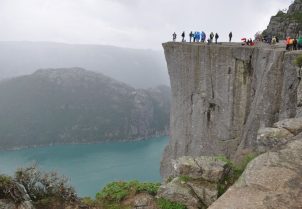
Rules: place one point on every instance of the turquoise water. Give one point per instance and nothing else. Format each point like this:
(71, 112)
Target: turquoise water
(91, 166)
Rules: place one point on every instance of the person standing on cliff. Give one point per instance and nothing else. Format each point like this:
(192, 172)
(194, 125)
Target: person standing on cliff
(211, 37)
(191, 36)
(230, 36)
(216, 37)
(300, 43)
(183, 35)
(295, 43)
(174, 37)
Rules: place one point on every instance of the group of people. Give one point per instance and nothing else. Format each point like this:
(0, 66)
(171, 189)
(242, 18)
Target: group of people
(294, 43)
(200, 37)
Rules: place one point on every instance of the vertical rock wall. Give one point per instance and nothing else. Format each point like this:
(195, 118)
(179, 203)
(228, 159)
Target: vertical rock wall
(222, 94)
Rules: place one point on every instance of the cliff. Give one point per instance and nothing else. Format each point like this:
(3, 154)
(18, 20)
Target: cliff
(285, 24)
(222, 95)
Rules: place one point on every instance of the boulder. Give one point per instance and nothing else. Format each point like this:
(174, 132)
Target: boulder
(179, 191)
(272, 180)
(207, 168)
(293, 125)
(144, 201)
(268, 138)
(196, 181)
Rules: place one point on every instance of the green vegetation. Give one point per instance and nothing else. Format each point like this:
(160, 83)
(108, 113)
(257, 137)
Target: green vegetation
(235, 172)
(184, 178)
(298, 61)
(46, 190)
(117, 191)
(166, 204)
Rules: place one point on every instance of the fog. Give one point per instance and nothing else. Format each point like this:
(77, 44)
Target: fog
(130, 23)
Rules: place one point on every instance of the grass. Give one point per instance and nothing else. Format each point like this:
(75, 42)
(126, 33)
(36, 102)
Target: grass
(117, 191)
(236, 171)
(167, 204)
(184, 178)
(298, 61)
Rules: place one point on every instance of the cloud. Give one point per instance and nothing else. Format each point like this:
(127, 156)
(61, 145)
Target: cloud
(131, 23)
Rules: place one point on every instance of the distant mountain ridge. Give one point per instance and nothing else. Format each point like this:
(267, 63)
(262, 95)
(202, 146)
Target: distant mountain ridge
(136, 67)
(55, 106)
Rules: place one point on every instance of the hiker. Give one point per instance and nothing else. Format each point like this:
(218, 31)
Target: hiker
(295, 43)
(191, 36)
(174, 37)
(230, 36)
(300, 43)
(277, 39)
(211, 37)
(203, 36)
(288, 40)
(183, 35)
(197, 36)
(216, 37)
(274, 40)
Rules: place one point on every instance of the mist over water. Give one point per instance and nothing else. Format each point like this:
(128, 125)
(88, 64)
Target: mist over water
(91, 166)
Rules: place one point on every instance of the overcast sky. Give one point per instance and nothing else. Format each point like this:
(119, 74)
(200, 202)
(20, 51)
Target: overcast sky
(131, 23)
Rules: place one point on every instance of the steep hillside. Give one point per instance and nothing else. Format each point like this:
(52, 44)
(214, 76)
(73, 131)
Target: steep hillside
(285, 24)
(77, 106)
(138, 68)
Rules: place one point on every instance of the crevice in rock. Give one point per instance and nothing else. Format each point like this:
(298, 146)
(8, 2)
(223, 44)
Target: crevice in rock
(203, 205)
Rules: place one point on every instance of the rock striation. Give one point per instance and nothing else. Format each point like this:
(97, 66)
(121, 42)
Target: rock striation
(223, 94)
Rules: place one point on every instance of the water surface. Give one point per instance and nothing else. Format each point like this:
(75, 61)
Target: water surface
(91, 166)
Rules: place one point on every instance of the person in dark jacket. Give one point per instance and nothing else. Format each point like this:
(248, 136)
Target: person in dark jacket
(191, 36)
(230, 36)
(216, 37)
(295, 43)
(211, 37)
(183, 35)
(174, 36)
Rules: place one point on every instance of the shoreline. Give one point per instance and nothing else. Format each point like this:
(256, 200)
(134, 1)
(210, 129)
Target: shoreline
(152, 137)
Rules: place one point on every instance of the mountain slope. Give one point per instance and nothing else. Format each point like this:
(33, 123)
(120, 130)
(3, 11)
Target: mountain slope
(75, 106)
(285, 24)
(138, 68)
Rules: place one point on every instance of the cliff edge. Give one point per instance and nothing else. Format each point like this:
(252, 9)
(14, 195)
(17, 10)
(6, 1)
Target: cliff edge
(222, 94)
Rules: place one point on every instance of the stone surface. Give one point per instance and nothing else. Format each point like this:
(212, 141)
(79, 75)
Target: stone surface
(272, 180)
(6, 204)
(222, 94)
(178, 191)
(268, 138)
(207, 168)
(293, 125)
(196, 181)
(144, 201)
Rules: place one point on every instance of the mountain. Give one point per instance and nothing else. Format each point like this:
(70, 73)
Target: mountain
(285, 24)
(74, 105)
(138, 68)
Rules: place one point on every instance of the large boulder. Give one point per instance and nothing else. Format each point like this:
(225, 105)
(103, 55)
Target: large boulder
(196, 181)
(272, 180)
(293, 125)
(269, 138)
(178, 191)
(207, 168)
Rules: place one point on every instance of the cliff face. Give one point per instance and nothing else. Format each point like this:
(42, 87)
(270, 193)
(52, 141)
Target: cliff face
(222, 95)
